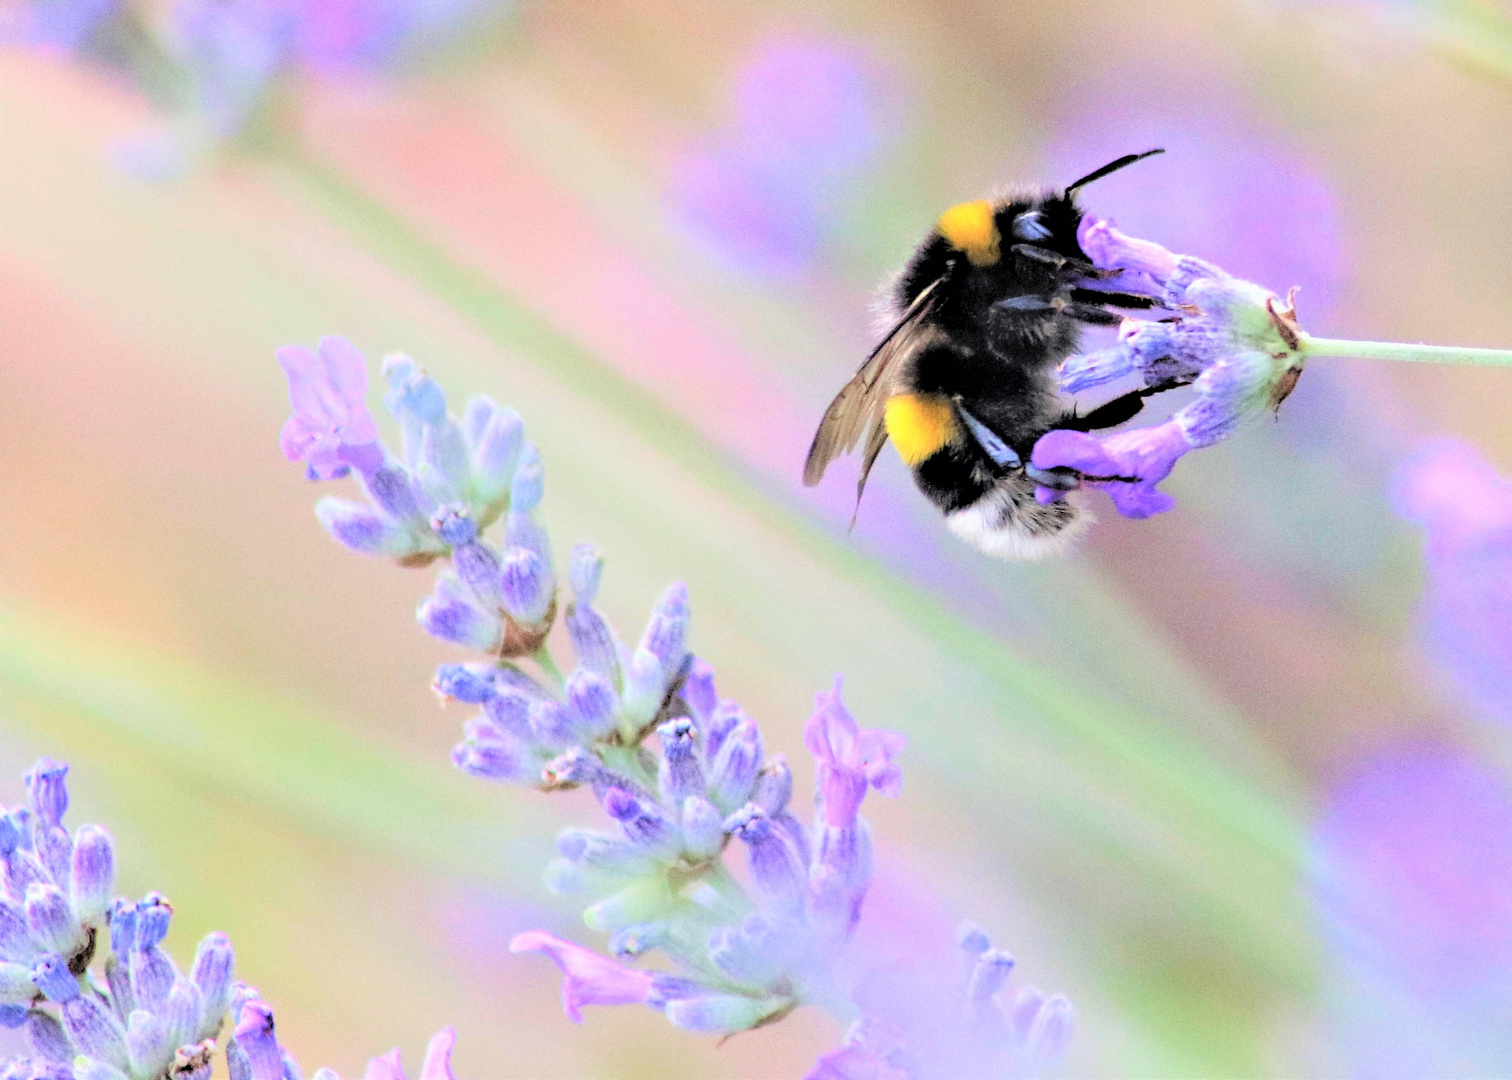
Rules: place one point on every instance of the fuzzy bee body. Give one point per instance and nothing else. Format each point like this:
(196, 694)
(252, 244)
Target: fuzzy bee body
(964, 382)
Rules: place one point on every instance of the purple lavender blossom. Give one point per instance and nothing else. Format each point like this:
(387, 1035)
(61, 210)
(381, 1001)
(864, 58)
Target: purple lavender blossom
(1234, 342)
(850, 758)
(68, 25)
(331, 429)
(1465, 508)
(587, 977)
(678, 804)
(809, 114)
(1412, 861)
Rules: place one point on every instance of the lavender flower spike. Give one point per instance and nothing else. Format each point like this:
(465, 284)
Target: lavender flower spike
(1236, 343)
(331, 429)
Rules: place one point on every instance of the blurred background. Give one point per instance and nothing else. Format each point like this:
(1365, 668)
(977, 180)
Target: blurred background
(1216, 776)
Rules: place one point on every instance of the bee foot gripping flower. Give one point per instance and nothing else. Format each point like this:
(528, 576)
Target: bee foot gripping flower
(1238, 345)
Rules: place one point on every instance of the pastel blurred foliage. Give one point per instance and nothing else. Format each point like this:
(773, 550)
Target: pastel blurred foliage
(1177, 773)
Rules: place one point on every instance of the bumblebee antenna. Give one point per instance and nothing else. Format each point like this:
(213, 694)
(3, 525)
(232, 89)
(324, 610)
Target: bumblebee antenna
(1113, 167)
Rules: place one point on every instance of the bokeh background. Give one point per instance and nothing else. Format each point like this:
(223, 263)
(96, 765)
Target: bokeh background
(1209, 776)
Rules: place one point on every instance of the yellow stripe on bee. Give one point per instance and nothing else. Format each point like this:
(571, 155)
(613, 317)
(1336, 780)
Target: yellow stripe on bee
(971, 227)
(919, 425)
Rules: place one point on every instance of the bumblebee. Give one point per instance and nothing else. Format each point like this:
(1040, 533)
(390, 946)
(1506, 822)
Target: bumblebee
(964, 381)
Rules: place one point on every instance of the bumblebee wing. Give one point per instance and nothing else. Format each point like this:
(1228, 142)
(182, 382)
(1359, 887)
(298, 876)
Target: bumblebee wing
(859, 405)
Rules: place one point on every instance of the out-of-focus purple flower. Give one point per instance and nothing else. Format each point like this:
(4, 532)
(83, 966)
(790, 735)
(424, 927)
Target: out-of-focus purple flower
(921, 1022)
(1414, 862)
(68, 25)
(1222, 188)
(587, 977)
(1466, 509)
(849, 757)
(331, 429)
(436, 1066)
(233, 49)
(809, 114)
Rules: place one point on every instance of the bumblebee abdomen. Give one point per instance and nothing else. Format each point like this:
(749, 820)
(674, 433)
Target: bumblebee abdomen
(920, 425)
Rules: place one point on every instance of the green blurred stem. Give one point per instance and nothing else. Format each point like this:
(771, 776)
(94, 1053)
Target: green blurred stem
(1393, 350)
(542, 657)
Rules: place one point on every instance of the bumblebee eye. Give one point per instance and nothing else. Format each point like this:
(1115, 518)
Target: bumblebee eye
(1028, 226)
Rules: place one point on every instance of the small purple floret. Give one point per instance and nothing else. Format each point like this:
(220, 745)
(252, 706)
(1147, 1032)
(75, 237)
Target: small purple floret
(331, 429)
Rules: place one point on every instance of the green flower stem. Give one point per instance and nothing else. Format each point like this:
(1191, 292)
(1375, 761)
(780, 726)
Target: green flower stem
(1392, 350)
(542, 657)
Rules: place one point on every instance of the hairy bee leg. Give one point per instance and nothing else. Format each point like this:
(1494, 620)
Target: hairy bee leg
(1000, 452)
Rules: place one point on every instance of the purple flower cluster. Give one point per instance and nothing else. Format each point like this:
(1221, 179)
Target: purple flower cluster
(683, 774)
(1235, 343)
(87, 979)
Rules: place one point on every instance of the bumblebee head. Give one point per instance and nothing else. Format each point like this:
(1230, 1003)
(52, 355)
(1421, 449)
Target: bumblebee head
(971, 227)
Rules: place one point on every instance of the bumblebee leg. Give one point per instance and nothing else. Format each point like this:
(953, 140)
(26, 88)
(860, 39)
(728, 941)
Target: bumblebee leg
(1031, 305)
(1053, 258)
(1000, 452)
(1118, 410)
(1092, 314)
(1116, 299)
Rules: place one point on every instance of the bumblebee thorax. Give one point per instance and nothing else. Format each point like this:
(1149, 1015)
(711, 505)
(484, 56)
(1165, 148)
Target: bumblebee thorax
(971, 227)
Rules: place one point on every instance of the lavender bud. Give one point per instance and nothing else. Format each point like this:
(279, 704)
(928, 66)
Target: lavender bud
(476, 415)
(774, 786)
(632, 941)
(443, 449)
(51, 920)
(450, 615)
(15, 935)
(703, 831)
(680, 775)
(148, 1044)
(550, 725)
(644, 823)
(93, 874)
(510, 712)
(496, 455)
(153, 915)
(698, 692)
(593, 641)
(584, 572)
(364, 529)
(527, 586)
(47, 790)
(529, 482)
(47, 1038)
(395, 492)
(412, 397)
(644, 688)
(183, 1013)
(22, 871)
(493, 759)
(480, 570)
(734, 774)
(774, 866)
(727, 715)
(118, 979)
(471, 684)
(667, 630)
(591, 703)
(52, 977)
(1050, 1034)
(993, 967)
(214, 963)
(123, 924)
(971, 940)
(54, 850)
(454, 525)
